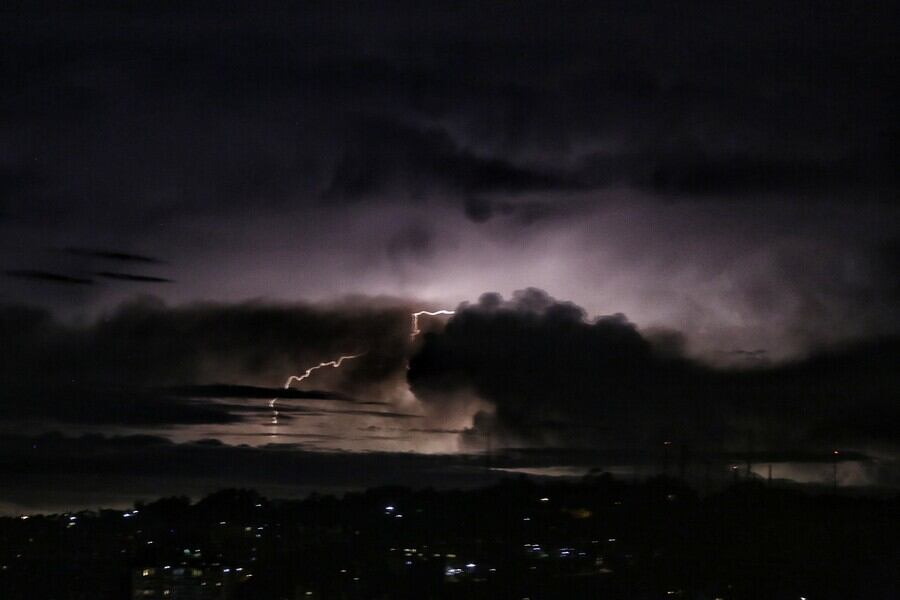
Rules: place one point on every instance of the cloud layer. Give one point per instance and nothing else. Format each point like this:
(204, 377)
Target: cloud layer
(553, 376)
(723, 171)
(290, 183)
(141, 364)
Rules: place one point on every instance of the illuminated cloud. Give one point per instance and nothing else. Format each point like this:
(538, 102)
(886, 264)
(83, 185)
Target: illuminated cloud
(291, 191)
(554, 376)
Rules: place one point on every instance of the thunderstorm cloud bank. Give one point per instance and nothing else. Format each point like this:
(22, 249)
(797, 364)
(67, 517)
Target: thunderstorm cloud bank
(196, 203)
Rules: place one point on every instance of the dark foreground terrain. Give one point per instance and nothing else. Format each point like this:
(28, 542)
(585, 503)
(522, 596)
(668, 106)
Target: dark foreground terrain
(600, 538)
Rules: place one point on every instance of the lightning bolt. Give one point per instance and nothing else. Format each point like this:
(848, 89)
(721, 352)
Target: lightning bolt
(415, 319)
(306, 375)
(415, 331)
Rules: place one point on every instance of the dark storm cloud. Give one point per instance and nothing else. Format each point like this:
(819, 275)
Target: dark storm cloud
(651, 457)
(249, 391)
(52, 469)
(94, 405)
(371, 413)
(392, 156)
(142, 363)
(247, 141)
(723, 170)
(480, 209)
(58, 472)
(113, 255)
(46, 276)
(221, 108)
(285, 411)
(133, 277)
(437, 431)
(430, 430)
(552, 375)
(689, 172)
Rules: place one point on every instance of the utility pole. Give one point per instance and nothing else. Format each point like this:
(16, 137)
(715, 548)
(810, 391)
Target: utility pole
(488, 450)
(834, 469)
(666, 446)
(751, 445)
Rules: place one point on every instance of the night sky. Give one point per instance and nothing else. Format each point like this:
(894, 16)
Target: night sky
(654, 222)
